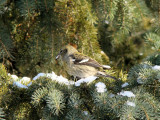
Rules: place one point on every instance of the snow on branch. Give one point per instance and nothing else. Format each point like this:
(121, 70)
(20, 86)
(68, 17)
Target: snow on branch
(85, 80)
(127, 93)
(19, 85)
(19, 82)
(156, 67)
(101, 87)
(61, 79)
(124, 85)
(131, 103)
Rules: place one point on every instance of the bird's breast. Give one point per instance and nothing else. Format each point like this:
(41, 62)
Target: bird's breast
(81, 71)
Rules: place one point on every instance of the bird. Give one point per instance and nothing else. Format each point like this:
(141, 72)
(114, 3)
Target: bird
(79, 65)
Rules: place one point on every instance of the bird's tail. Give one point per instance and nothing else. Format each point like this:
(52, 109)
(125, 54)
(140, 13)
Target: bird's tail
(102, 74)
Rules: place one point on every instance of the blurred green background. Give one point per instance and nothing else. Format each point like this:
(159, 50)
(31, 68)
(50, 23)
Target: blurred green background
(112, 32)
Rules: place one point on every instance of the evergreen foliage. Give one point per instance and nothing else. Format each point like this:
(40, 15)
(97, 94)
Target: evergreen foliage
(1, 114)
(50, 99)
(125, 31)
(33, 31)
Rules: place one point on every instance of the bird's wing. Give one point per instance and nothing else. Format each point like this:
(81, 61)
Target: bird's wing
(80, 59)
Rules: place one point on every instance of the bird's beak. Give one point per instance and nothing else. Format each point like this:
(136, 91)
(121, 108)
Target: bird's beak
(57, 57)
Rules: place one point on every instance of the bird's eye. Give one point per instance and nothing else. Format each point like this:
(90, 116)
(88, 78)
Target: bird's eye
(61, 51)
(65, 50)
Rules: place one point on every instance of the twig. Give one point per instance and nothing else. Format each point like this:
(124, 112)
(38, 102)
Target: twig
(5, 48)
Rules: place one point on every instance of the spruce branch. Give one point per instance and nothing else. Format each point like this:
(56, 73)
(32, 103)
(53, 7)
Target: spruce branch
(39, 96)
(4, 47)
(2, 115)
(55, 101)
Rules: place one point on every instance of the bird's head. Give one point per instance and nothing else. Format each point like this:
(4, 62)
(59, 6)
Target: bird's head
(66, 51)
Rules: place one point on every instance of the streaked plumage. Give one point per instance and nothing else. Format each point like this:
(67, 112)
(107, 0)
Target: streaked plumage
(80, 65)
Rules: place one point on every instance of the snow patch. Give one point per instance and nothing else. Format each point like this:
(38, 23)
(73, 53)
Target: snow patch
(29, 84)
(19, 85)
(85, 112)
(65, 81)
(39, 75)
(111, 95)
(124, 85)
(101, 87)
(127, 93)
(85, 80)
(25, 80)
(14, 77)
(59, 79)
(131, 103)
(156, 67)
(54, 77)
